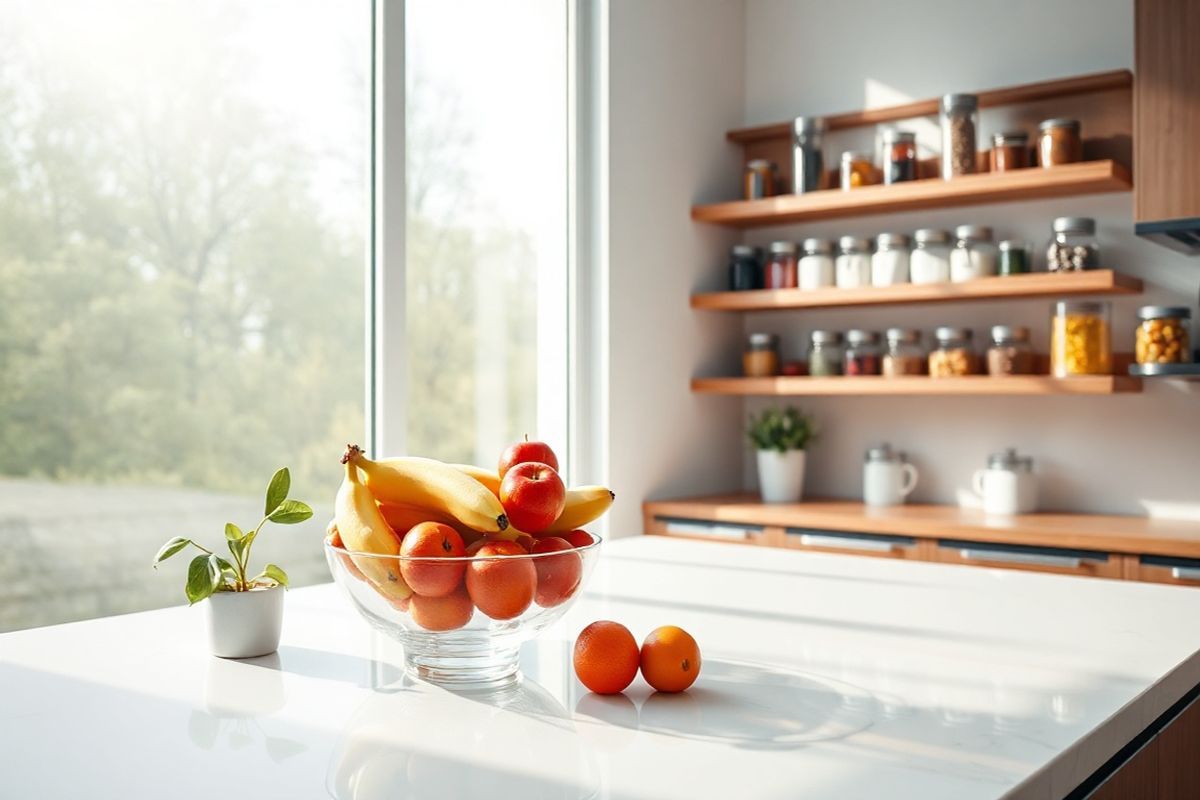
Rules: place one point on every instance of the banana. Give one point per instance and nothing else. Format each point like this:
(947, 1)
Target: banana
(363, 529)
(487, 477)
(583, 505)
(431, 484)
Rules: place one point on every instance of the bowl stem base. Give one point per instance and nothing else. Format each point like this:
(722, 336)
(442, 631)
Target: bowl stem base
(483, 669)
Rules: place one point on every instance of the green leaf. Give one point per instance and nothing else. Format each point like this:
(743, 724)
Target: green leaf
(276, 574)
(278, 490)
(290, 512)
(239, 546)
(233, 532)
(204, 575)
(171, 548)
(225, 565)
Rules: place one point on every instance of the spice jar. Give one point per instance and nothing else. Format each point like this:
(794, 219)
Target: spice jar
(1010, 150)
(853, 265)
(825, 354)
(1073, 245)
(1010, 353)
(900, 156)
(816, 264)
(1162, 335)
(759, 179)
(974, 255)
(780, 272)
(1079, 339)
(745, 268)
(930, 259)
(959, 120)
(904, 355)
(761, 356)
(1059, 142)
(808, 164)
(1012, 258)
(857, 170)
(889, 262)
(862, 353)
(953, 355)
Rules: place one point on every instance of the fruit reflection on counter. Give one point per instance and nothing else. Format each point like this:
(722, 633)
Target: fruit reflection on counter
(455, 538)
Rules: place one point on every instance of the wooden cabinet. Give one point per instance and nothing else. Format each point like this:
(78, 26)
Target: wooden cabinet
(1089, 563)
(1165, 767)
(1137, 779)
(1165, 569)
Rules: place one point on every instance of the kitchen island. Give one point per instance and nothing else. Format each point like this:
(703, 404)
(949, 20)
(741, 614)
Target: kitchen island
(824, 676)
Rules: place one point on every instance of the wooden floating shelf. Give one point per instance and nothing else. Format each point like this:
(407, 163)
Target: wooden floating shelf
(1010, 95)
(918, 385)
(1034, 183)
(1038, 284)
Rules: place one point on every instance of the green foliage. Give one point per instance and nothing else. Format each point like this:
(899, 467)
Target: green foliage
(780, 429)
(209, 572)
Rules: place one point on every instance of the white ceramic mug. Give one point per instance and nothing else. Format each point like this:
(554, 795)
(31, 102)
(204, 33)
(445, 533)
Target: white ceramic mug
(1005, 491)
(888, 483)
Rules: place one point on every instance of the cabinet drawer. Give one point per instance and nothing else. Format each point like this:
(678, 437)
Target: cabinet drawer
(1093, 563)
(1165, 569)
(861, 544)
(708, 529)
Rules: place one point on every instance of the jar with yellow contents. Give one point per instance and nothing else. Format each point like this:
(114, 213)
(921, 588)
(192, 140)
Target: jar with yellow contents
(1162, 335)
(1080, 343)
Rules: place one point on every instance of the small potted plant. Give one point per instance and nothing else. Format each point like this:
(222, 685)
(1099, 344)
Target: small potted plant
(779, 437)
(245, 614)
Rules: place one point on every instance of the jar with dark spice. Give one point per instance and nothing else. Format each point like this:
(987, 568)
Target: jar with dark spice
(825, 354)
(1010, 352)
(761, 356)
(953, 355)
(1059, 142)
(959, 121)
(863, 356)
(760, 179)
(745, 268)
(904, 354)
(857, 170)
(808, 163)
(1073, 246)
(1012, 258)
(900, 156)
(1010, 150)
(780, 272)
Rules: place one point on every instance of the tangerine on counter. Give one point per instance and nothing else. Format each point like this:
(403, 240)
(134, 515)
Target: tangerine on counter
(606, 657)
(670, 659)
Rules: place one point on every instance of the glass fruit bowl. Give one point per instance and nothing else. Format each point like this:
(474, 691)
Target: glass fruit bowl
(470, 635)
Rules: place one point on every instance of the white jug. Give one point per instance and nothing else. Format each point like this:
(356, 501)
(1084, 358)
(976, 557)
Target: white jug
(1008, 485)
(887, 478)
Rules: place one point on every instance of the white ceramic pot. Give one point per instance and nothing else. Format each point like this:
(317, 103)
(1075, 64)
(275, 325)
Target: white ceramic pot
(888, 483)
(245, 624)
(781, 475)
(1005, 491)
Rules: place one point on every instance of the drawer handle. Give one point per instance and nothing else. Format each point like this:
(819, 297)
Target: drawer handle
(1067, 562)
(847, 542)
(701, 529)
(1185, 573)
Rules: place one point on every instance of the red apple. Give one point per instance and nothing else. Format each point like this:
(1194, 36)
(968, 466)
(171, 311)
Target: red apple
(524, 452)
(579, 538)
(533, 496)
(431, 542)
(558, 576)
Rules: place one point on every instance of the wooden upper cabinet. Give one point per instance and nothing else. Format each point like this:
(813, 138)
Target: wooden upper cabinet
(1166, 108)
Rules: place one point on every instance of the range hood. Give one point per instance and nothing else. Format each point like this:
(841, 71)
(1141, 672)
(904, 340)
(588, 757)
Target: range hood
(1181, 235)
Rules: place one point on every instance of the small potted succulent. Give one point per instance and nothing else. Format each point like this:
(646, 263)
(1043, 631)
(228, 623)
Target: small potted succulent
(779, 437)
(245, 614)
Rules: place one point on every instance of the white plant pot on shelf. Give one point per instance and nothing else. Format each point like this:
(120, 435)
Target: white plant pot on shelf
(781, 475)
(245, 624)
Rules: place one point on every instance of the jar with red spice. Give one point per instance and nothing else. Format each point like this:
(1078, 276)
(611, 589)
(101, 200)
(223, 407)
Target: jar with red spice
(900, 156)
(780, 271)
(863, 355)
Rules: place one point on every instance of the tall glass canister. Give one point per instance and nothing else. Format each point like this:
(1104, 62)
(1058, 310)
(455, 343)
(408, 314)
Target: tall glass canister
(960, 123)
(808, 163)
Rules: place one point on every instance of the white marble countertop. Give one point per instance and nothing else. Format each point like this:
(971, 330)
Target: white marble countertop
(824, 677)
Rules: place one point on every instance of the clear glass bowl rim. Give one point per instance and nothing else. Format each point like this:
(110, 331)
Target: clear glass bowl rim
(596, 540)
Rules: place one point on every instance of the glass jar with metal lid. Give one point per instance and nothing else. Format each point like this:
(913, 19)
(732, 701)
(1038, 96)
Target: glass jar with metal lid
(959, 121)
(816, 264)
(904, 354)
(1010, 150)
(1163, 335)
(1012, 258)
(1059, 142)
(745, 268)
(759, 179)
(953, 355)
(858, 169)
(889, 262)
(863, 355)
(900, 156)
(974, 254)
(853, 265)
(1010, 352)
(761, 357)
(1080, 339)
(808, 163)
(824, 354)
(1073, 245)
(780, 271)
(929, 261)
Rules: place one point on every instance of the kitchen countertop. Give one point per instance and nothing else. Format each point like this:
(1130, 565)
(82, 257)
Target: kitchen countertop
(824, 676)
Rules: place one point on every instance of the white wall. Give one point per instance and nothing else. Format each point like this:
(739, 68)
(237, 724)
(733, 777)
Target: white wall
(1134, 453)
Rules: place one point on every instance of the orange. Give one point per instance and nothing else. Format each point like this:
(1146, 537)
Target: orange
(670, 659)
(441, 613)
(501, 586)
(606, 657)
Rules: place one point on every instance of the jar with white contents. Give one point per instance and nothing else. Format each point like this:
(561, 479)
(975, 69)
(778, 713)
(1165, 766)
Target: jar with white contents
(889, 263)
(816, 264)
(853, 266)
(930, 258)
(974, 253)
